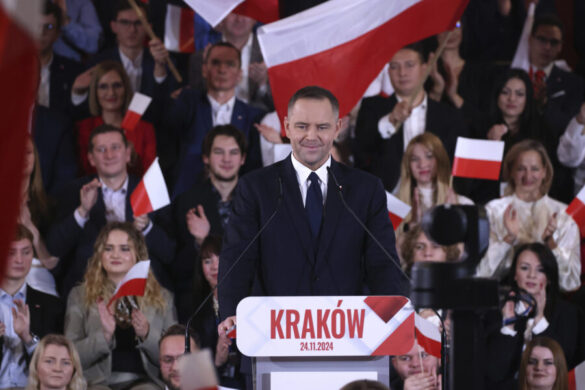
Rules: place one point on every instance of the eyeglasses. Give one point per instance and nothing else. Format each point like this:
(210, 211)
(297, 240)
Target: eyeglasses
(168, 360)
(48, 27)
(104, 149)
(544, 40)
(106, 86)
(408, 358)
(129, 23)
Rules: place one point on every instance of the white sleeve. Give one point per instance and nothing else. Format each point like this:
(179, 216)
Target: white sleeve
(568, 252)
(385, 128)
(571, 148)
(499, 253)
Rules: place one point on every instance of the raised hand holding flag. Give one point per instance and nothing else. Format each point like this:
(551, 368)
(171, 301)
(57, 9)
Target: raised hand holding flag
(478, 159)
(151, 193)
(136, 109)
(428, 336)
(134, 283)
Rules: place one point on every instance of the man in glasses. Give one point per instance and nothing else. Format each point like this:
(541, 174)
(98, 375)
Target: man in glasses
(558, 92)
(171, 349)
(415, 370)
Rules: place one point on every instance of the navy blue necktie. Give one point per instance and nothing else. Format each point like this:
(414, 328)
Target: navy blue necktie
(314, 204)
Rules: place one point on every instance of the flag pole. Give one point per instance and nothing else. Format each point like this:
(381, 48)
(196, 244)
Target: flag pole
(150, 33)
(430, 65)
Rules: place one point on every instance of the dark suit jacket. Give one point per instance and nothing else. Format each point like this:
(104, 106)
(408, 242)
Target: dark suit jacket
(564, 92)
(190, 120)
(53, 137)
(74, 245)
(63, 72)
(383, 157)
(47, 312)
(286, 261)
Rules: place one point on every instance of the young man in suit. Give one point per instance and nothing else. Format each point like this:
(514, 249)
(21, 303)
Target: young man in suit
(87, 204)
(196, 112)
(385, 125)
(313, 245)
(26, 314)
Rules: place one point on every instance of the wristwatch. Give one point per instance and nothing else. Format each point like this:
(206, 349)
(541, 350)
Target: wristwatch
(35, 339)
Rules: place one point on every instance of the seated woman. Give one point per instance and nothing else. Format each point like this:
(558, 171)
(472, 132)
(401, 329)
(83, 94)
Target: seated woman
(534, 272)
(527, 214)
(110, 94)
(205, 324)
(425, 175)
(55, 365)
(543, 366)
(118, 345)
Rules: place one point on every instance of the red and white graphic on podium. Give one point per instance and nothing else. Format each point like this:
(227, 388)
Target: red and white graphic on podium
(325, 326)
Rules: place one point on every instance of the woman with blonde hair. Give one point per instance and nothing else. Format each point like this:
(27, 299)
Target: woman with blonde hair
(527, 214)
(543, 366)
(110, 93)
(55, 365)
(425, 175)
(118, 344)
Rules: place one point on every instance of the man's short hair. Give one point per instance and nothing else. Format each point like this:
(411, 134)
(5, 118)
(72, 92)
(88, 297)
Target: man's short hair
(178, 330)
(123, 5)
(316, 93)
(223, 44)
(51, 8)
(420, 48)
(22, 233)
(228, 131)
(547, 20)
(102, 129)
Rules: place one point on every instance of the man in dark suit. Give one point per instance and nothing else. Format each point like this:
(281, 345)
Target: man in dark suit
(26, 314)
(312, 244)
(196, 112)
(87, 204)
(385, 125)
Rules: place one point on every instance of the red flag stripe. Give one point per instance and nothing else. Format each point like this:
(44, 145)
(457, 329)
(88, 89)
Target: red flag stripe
(130, 120)
(264, 11)
(139, 200)
(430, 346)
(187, 31)
(395, 219)
(577, 210)
(476, 169)
(572, 380)
(132, 287)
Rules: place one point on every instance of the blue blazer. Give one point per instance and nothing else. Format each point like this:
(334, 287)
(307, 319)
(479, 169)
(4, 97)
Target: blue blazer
(190, 118)
(286, 261)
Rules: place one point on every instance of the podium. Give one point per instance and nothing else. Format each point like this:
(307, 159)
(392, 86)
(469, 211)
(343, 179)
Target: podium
(323, 342)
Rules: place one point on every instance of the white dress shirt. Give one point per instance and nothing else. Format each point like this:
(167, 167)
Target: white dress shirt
(414, 125)
(133, 69)
(303, 177)
(43, 94)
(221, 114)
(571, 151)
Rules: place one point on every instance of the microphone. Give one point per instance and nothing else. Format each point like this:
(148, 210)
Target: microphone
(252, 241)
(363, 225)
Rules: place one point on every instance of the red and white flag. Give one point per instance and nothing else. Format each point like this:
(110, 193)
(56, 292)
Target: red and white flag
(427, 335)
(198, 371)
(264, 11)
(577, 377)
(180, 29)
(19, 77)
(136, 109)
(397, 209)
(343, 45)
(478, 159)
(522, 56)
(151, 193)
(134, 283)
(577, 210)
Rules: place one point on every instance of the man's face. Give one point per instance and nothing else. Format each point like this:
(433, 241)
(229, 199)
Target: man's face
(312, 126)
(410, 363)
(128, 29)
(545, 45)
(109, 155)
(20, 256)
(222, 69)
(406, 70)
(225, 158)
(236, 26)
(49, 33)
(172, 349)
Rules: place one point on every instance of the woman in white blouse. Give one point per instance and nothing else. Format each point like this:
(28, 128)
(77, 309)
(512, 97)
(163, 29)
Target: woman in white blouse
(527, 214)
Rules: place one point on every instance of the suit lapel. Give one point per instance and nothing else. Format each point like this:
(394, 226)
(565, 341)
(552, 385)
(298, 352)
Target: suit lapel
(205, 115)
(294, 203)
(238, 116)
(333, 209)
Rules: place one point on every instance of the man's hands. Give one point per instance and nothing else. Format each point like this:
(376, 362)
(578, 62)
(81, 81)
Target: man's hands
(21, 321)
(81, 83)
(160, 55)
(88, 195)
(400, 113)
(141, 222)
(198, 224)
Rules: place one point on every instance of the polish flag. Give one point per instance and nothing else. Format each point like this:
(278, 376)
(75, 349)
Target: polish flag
(136, 109)
(19, 77)
(522, 56)
(427, 335)
(478, 159)
(215, 11)
(134, 283)
(342, 45)
(397, 209)
(180, 29)
(151, 193)
(577, 210)
(577, 377)
(198, 371)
